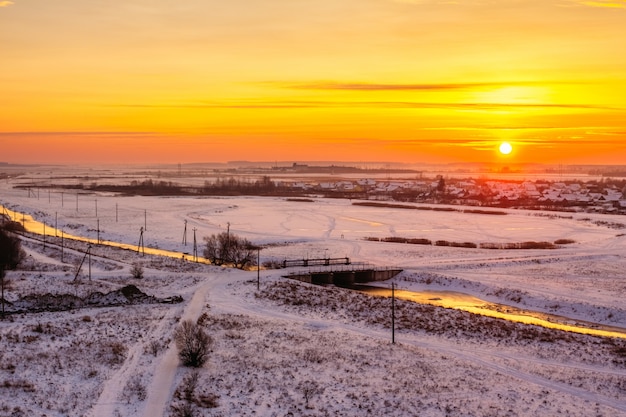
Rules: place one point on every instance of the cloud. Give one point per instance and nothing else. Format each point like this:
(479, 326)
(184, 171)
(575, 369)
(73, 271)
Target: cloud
(253, 104)
(77, 134)
(614, 4)
(357, 86)
(5, 3)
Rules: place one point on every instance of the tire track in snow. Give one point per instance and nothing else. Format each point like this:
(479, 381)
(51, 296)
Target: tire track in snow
(162, 386)
(114, 386)
(229, 303)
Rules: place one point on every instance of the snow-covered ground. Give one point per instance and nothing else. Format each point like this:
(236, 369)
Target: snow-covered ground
(294, 349)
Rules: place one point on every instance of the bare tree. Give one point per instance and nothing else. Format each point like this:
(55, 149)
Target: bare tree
(193, 344)
(229, 248)
(11, 255)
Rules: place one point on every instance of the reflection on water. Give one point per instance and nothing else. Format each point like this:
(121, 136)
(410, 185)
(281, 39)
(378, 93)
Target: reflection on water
(33, 226)
(465, 302)
(447, 299)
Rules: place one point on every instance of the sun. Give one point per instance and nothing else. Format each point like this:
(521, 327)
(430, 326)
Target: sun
(505, 148)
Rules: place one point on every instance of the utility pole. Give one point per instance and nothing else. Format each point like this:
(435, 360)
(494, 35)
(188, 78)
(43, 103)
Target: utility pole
(145, 220)
(258, 267)
(393, 313)
(98, 231)
(62, 247)
(140, 247)
(185, 234)
(195, 246)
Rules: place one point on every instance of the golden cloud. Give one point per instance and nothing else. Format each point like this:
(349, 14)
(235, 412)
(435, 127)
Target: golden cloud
(615, 4)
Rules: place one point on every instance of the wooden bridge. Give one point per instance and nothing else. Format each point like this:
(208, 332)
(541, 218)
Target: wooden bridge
(316, 262)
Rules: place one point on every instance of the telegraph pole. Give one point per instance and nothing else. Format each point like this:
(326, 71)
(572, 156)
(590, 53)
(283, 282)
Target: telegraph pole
(185, 234)
(140, 246)
(393, 313)
(195, 246)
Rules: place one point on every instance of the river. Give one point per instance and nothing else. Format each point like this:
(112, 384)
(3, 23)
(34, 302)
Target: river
(446, 299)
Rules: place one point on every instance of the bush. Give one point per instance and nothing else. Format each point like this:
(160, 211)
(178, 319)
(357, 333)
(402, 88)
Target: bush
(229, 248)
(420, 241)
(11, 252)
(11, 255)
(193, 344)
(136, 271)
(564, 241)
(183, 410)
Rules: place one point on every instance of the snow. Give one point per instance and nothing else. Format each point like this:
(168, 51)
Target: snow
(295, 349)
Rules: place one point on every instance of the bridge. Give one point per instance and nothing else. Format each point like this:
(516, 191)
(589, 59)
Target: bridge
(345, 277)
(316, 262)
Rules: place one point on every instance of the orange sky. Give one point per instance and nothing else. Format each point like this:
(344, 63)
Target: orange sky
(94, 81)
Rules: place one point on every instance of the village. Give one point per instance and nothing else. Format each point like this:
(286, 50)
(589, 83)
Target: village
(605, 196)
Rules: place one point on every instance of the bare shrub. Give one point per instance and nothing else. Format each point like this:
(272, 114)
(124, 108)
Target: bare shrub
(564, 241)
(113, 353)
(187, 392)
(313, 355)
(188, 387)
(134, 388)
(136, 271)
(310, 389)
(154, 347)
(193, 344)
(183, 409)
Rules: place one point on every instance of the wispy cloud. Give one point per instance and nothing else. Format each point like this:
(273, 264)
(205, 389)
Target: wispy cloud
(5, 3)
(77, 134)
(367, 104)
(358, 86)
(615, 4)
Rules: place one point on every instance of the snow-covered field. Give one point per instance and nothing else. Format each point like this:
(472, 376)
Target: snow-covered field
(294, 349)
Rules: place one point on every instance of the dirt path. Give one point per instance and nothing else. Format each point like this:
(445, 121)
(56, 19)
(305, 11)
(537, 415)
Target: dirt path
(114, 386)
(162, 386)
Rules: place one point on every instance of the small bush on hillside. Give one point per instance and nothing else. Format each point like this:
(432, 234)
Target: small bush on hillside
(193, 344)
(136, 271)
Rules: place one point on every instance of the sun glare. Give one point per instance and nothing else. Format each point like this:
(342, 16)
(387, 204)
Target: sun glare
(505, 148)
